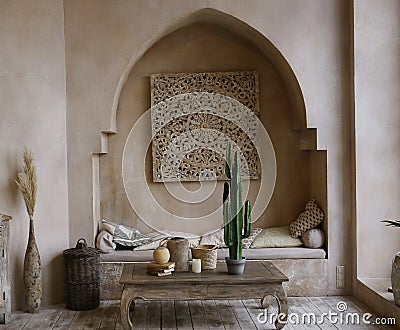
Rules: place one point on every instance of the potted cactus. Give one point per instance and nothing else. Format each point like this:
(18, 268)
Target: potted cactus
(236, 224)
(395, 275)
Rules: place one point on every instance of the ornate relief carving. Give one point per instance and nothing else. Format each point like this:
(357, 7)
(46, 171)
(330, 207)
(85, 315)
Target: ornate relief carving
(240, 85)
(190, 132)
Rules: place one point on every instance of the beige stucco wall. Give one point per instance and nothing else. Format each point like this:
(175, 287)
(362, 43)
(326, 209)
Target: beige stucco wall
(377, 139)
(33, 113)
(205, 47)
(102, 38)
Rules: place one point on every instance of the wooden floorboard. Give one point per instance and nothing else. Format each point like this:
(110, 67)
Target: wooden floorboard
(153, 315)
(65, 319)
(254, 309)
(214, 320)
(182, 314)
(227, 315)
(18, 321)
(168, 320)
(196, 314)
(242, 315)
(139, 315)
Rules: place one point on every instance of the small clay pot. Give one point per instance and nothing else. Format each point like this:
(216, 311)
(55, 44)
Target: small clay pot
(235, 267)
(161, 255)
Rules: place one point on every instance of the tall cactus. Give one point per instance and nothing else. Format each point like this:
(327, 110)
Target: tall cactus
(235, 226)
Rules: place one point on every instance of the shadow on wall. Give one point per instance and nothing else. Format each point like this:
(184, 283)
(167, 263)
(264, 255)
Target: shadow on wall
(56, 277)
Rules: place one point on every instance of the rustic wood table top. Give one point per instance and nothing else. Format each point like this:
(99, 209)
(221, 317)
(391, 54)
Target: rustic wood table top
(260, 280)
(255, 273)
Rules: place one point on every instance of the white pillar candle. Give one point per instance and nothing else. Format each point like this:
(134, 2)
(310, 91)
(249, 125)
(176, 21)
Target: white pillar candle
(196, 265)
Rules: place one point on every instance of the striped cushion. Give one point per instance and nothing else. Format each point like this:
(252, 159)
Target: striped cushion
(125, 236)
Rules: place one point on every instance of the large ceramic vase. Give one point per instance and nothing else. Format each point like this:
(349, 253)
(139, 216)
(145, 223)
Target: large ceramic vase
(179, 250)
(396, 278)
(32, 273)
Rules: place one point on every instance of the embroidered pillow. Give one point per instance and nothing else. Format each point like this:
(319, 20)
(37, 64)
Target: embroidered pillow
(124, 235)
(246, 242)
(311, 217)
(275, 237)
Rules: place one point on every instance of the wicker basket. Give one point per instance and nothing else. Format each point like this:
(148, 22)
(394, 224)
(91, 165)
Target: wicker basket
(207, 254)
(82, 277)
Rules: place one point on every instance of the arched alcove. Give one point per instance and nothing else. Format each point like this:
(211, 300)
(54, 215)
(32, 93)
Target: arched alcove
(213, 41)
(241, 30)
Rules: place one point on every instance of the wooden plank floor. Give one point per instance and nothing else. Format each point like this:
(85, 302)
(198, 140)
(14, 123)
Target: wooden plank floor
(209, 314)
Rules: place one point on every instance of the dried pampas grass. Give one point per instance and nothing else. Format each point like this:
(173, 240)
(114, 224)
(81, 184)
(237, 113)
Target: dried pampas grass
(27, 183)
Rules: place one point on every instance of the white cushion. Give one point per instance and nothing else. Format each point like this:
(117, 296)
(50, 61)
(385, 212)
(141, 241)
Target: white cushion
(275, 237)
(217, 238)
(104, 242)
(246, 242)
(313, 238)
(214, 238)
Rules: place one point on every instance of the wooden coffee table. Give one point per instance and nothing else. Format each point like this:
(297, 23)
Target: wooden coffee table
(260, 280)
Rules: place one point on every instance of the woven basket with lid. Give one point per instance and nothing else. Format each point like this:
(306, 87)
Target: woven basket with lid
(207, 254)
(82, 276)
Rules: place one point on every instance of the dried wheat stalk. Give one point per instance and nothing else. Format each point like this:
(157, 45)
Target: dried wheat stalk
(27, 183)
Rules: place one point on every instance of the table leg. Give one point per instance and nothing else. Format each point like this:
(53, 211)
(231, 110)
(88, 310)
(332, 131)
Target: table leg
(127, 300)
(281, 299)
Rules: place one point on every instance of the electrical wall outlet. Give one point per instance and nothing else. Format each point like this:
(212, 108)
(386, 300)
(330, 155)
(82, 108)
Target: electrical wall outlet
(340, 275)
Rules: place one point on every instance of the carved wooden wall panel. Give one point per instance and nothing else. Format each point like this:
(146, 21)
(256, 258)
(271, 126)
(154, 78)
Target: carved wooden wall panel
(193, 117)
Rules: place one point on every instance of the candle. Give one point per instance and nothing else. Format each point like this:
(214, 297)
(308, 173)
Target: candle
(196, 265)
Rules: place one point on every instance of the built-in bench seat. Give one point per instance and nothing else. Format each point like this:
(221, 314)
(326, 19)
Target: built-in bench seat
(250, 254)
(307, 269)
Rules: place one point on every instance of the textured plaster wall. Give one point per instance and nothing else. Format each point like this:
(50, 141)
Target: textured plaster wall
(377, 139)
(103, 36)
(33, 113)
(101, 39)
(202, 48)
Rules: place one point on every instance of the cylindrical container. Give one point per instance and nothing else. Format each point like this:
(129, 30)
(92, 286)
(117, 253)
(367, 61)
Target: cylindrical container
(82, 277)
(207, 254)
(196, 265)
(179, 249)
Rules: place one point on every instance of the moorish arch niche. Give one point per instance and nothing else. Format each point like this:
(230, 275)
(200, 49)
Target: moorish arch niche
(210, 41)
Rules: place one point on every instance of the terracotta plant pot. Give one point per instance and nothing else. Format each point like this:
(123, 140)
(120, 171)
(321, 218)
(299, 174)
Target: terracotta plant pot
(396, 278)
(235, 267)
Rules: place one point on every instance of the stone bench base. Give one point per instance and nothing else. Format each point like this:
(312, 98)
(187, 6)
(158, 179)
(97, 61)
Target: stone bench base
(307, 277)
